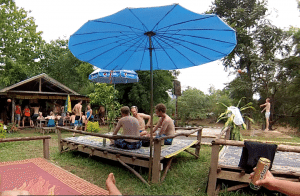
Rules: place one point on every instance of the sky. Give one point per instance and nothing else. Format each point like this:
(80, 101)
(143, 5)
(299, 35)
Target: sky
(61, 18)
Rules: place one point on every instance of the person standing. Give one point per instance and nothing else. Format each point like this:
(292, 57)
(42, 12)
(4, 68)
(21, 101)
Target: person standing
(36, 109)
(166, 123)
(26, 115)
(267, 107)
(18, 113)
(89, 114)
(77, 110)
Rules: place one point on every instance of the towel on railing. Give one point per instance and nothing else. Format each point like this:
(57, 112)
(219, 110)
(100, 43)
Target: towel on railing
(253, 151)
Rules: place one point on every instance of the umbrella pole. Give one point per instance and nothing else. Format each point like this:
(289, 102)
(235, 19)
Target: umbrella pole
(149, 34)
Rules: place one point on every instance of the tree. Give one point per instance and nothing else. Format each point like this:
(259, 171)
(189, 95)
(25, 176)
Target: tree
(20, 44)
(105, 95)
(58, 62)
(258, 41)
(138, 94)
(192, 104)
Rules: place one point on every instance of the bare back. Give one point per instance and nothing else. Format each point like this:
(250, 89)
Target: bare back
(167, 126)
(36, 110)
(77, 109)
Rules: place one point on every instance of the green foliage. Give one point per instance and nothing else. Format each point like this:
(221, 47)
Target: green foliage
(20, 44)
(217, 96)
(58, 62)
(105, 95)
(138, 94)
(192, 104)
(93, 127)
(2, 131)
(235, 133)
(257, 43)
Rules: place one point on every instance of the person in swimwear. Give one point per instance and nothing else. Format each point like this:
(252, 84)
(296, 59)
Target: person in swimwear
(267, 107)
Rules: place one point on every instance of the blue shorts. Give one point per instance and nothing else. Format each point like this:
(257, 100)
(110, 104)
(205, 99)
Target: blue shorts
(18, 117)
(167, 141)
(121, 143)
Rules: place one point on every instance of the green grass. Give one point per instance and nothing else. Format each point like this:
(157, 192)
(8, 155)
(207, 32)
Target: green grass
(187, 175)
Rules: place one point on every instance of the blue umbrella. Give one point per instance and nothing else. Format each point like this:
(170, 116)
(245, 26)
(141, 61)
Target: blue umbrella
(160, 38)
(114, 76)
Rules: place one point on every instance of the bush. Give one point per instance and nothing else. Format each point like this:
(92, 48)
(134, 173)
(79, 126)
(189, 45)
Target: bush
(2, 131)
(93, 127)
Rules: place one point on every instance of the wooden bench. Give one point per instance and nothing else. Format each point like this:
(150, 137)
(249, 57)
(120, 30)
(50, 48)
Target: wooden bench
(46, 140)
(125, 158)
(234, 173)
(48, 130)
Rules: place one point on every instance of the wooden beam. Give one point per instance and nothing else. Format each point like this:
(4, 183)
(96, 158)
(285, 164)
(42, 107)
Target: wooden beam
(212, 177)
(166, 169)
(46, 148)
(233, 176)
(198, 146)
(40, 85)
(186, 150)
(156, 161)
(234, 188)
(134, 172)
(13, 110)
(283, 148)
(24, 138)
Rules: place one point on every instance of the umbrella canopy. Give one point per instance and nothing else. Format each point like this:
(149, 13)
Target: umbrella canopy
(114, 76)
(180, 39)
(157, 38)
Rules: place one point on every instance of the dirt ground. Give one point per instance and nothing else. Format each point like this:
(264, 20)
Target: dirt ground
(277, 132)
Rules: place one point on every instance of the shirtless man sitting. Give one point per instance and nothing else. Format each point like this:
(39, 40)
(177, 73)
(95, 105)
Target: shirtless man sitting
(141, 118)
(166, 123)
(267, 114)
(130, 127)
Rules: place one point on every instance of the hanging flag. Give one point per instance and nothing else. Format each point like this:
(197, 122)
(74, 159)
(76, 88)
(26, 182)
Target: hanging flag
(68, 107)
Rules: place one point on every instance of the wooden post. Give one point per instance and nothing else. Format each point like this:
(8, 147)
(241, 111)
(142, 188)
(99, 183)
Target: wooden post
(13, 110)
(212, 178)
(227, 134)
(46, 148)
(156, 161)
(60, 148)
(199, 136)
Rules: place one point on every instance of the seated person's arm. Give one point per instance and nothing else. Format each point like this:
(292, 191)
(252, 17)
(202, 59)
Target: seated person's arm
(158, 125)
(145, 116)
(164, 127)
(117, 128)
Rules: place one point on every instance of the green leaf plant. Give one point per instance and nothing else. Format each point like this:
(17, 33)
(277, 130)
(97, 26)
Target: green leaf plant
(235, 133)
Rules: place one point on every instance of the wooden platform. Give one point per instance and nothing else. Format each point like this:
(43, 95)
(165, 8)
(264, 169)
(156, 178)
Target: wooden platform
(224, 164)
(92, 144)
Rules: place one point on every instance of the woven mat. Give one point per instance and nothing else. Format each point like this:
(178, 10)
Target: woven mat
(283, 161)
(167, 151)
(40, 177)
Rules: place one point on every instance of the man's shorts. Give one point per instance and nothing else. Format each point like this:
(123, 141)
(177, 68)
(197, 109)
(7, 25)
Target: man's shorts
(34, 117)
(121, 143)
(18, 117)
(26, 117)
(167, 141)
(267, 114)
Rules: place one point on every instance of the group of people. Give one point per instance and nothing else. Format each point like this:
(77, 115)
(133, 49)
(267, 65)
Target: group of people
(135, 126)
(77, 117)
(26, 114)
